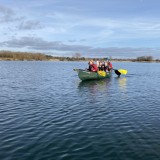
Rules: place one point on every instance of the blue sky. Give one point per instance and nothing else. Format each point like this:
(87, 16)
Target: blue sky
(94, 28)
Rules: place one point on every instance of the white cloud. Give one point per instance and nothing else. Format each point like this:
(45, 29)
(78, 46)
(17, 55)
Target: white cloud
(6, 14)
(29, 25)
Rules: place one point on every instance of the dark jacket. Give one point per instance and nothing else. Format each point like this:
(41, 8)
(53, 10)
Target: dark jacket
(102, 68)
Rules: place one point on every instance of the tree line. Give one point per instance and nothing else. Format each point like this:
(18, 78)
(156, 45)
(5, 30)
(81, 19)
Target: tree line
(9, 55)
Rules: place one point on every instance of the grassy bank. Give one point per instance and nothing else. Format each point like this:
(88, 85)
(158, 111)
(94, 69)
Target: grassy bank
(21, 56)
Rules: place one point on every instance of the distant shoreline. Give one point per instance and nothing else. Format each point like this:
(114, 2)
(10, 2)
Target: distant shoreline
(77, 60)
(26, 56)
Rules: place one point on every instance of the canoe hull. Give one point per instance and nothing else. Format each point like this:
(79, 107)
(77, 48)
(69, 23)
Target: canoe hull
(87, 75)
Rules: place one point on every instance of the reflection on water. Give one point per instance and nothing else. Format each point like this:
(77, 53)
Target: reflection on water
(122, 82)
(95, 85)
(94, 90)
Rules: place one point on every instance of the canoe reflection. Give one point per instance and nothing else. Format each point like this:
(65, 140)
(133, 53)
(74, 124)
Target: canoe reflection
(95, 85)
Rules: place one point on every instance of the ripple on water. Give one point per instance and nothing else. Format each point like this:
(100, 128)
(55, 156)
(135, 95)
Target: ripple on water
(45, 114)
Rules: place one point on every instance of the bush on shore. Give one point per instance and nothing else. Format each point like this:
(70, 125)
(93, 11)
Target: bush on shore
(145, 58)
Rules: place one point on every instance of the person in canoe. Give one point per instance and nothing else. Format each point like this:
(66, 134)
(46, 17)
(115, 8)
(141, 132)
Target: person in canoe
(100, 66)
(92, 67)
(106, 67)
(109, 65)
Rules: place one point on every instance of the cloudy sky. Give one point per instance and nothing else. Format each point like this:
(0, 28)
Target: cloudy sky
(94, 28)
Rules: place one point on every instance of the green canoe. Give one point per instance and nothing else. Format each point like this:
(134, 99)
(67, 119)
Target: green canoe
(87, 75)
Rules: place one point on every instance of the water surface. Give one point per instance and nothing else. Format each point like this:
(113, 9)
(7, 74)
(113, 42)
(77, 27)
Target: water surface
(46, 112)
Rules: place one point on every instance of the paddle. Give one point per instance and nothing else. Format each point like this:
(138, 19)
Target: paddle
(120, 71)
(123, 71)
(102, 73)
(79, 69)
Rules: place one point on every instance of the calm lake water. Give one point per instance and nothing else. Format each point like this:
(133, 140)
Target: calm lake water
(47, 113)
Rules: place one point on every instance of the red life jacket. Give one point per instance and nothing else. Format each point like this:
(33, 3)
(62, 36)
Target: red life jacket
(110, 65)
(93, 68)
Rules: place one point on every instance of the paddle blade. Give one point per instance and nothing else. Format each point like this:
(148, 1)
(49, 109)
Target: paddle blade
(123, 71)
(102, 73)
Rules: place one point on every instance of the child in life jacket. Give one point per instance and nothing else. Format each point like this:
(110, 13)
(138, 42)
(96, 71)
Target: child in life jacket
(92, 67)
(100, 66)
(109, 65)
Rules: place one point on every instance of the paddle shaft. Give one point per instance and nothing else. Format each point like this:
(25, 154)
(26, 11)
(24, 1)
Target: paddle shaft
(117, 72)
